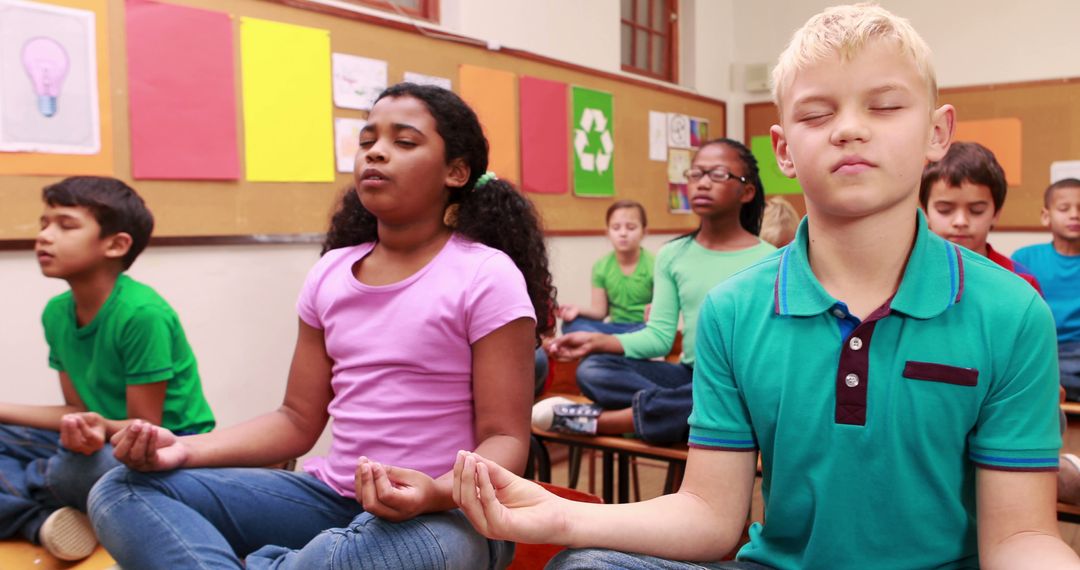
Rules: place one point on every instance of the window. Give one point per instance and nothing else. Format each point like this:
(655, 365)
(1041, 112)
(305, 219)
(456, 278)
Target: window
(648, 38)
(425, 9)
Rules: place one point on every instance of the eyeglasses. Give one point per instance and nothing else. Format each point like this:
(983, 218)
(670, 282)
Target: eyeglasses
(718, 174)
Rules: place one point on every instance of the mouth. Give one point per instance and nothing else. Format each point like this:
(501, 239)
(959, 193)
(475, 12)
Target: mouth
(701, 201)
(373, 177)
(43, 256)
(852, 165)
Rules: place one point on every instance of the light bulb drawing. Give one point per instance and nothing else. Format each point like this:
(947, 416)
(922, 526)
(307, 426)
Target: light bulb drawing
(46, 62)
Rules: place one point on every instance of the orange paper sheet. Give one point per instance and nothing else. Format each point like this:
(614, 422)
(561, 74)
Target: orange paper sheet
(493, 95)
(1003, 137)
(71, 164)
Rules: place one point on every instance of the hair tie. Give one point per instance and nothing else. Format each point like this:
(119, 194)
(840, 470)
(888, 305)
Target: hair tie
(484, 179)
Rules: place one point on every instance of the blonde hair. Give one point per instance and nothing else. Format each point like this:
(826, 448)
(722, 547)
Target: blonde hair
(845, 30)
(779, 222)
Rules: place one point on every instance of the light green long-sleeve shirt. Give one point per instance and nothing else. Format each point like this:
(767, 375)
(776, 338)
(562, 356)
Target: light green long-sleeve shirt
(685, 272)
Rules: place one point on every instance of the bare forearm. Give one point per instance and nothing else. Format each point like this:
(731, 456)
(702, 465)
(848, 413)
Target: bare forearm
(506, 450)
(680, 526)
(265, 440)
(41, 417)
(1030, 550)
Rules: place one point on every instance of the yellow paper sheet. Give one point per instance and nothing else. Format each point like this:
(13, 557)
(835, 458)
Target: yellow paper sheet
(493, 95)
(1003, 137)
(77, 164)
(288, 121)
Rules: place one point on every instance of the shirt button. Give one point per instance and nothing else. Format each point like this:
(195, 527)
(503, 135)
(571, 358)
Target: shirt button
(852, 380)
(838, 313)
(855, 343)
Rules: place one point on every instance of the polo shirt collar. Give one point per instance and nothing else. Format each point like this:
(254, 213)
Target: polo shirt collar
(933, 278)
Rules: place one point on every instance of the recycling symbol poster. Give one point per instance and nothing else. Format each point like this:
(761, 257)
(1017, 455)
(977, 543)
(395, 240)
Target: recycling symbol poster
(593, 128)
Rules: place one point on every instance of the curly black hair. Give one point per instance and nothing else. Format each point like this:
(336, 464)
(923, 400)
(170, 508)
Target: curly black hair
(496, 215)
(750, 214)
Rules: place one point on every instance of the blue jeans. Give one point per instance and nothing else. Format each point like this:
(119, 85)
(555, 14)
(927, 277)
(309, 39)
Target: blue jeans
(1069, 364)
(600, 559)
(38, 476)
(213, 518)
(583, 324)
(660, 393)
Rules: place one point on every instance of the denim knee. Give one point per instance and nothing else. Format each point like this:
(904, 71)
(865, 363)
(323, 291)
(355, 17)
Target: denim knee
(586, 559)
(70, 476)
(596, 372)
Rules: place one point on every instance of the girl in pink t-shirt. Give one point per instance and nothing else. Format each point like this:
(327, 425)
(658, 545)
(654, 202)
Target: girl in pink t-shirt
(416, 335)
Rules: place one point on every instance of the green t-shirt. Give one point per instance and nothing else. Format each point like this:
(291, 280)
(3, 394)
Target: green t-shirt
(685, 272)
(627, 295)
(136, 338)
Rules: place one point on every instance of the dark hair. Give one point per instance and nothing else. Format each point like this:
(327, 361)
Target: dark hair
(1063, 183)
(966, 162)
(628, 204)
(496, 215)
(115, 205)
(751, 212)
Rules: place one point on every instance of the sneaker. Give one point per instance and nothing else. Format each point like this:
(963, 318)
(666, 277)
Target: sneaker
(1068, 479)
(566, 416)
(67, 534)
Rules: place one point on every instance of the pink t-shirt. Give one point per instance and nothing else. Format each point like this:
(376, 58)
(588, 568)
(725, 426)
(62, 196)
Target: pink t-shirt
(402, 372)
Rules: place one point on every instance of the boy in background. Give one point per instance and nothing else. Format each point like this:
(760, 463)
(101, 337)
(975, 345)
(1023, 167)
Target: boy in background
(962, 195)
(1057, 267)
(905, 417)
(121, 355)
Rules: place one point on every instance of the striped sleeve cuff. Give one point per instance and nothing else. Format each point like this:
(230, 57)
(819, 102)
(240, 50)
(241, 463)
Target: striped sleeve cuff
(1039, 460)
(721, 440)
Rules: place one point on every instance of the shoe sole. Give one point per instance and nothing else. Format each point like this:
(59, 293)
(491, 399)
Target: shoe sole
(68, 535)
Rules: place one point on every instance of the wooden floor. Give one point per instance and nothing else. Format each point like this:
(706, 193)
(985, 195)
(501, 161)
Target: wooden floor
(20, 555)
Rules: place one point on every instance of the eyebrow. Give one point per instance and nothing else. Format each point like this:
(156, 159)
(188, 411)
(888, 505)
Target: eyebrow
(397, 127)
(881, 89)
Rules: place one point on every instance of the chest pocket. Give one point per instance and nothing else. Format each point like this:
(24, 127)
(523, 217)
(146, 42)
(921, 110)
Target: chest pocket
(944, 373)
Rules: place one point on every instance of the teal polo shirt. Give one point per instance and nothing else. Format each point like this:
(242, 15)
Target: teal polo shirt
(870, 431)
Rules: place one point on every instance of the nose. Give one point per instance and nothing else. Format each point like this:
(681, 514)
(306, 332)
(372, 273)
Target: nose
(849, 127)
(45, 234)
(960, 219)
(374, 153)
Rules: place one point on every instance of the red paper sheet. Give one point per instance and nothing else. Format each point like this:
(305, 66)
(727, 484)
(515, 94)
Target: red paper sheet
(182, 92)
(545, 137)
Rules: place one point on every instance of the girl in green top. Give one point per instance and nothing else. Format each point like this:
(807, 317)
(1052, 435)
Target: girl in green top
(622, 281)
(653, 398)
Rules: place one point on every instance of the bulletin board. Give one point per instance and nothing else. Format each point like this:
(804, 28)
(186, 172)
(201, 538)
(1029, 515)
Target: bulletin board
(1048, 116)
(239, 211)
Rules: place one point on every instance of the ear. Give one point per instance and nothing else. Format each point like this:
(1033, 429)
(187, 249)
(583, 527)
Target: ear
(942, 128)
(117, 245)
(457, 174)
(748, 192)
(782, 152)
(1044, 217)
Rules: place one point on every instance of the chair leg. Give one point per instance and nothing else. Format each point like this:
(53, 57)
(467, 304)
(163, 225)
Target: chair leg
(574, 467)
(538, 453)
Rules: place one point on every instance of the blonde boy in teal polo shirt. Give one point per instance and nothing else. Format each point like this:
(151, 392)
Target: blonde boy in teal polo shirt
(906, 417)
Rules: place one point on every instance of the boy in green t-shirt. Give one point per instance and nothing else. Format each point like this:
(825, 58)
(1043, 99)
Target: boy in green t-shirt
(121, 354)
